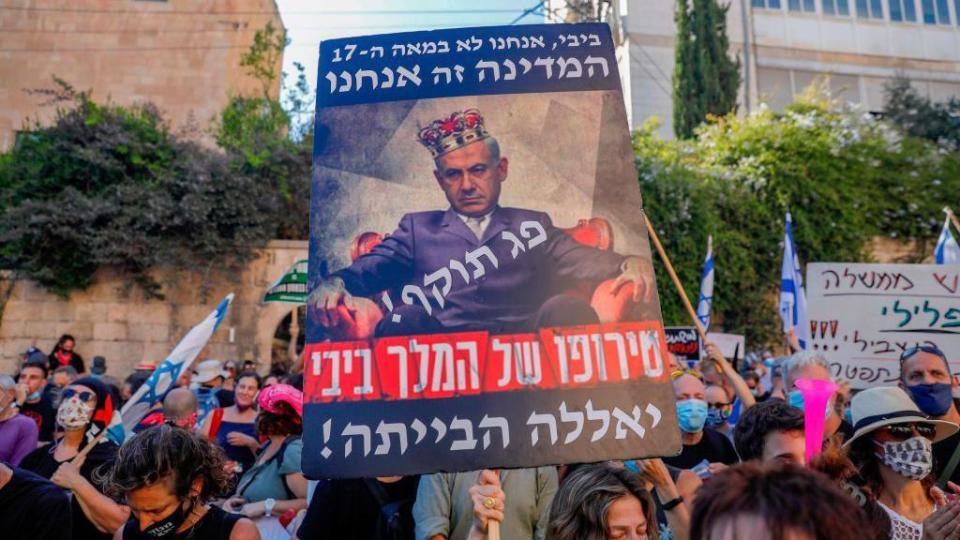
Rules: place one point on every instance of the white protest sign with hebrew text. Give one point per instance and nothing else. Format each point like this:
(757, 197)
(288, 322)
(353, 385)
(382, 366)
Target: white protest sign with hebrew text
(863, 316)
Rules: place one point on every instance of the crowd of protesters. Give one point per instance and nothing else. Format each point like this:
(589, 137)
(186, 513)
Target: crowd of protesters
(220, 457)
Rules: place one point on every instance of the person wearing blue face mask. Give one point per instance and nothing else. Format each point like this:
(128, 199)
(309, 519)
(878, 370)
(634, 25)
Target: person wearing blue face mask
(925, 375)
(700, 443)
(813, 365)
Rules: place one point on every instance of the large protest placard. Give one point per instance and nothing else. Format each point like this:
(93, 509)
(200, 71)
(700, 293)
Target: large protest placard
(863, 316)
(482, 292)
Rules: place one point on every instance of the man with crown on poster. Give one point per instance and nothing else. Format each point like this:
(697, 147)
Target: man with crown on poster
(476, 265)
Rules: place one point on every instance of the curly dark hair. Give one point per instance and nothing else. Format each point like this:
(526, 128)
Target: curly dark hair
(786, 497)
(579, 509)
(763, 418)
(288, 423)
(169, 452)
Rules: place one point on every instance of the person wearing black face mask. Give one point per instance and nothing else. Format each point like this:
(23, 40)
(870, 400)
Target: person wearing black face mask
(168, 476)
(926, 377)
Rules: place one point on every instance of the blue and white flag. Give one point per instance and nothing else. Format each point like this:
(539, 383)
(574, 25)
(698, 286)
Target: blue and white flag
(947, 250)
(706, 288)
(166, 375)
(793, 297)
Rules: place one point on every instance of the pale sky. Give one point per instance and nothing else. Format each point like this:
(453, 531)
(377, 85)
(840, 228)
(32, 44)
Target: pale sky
(310, 21)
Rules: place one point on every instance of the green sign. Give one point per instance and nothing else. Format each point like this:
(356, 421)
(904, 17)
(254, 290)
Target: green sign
(291, 287)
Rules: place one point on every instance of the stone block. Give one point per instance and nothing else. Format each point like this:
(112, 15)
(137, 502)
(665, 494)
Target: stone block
(57, 311)
(109, 331)
(148, 332)
(12, 329)
(119, 312)
(91, 311)
(41, 330)
(153, 313)
(17, 311)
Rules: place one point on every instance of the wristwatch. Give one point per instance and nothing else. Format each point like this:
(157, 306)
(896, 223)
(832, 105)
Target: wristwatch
(667, 506)
(268, 506)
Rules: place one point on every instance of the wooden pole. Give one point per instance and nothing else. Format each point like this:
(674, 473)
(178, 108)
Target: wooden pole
(86, 449)
(493, 530)
(673, 276)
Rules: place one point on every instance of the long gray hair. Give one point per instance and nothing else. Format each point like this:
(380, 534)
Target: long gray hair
(579, 509)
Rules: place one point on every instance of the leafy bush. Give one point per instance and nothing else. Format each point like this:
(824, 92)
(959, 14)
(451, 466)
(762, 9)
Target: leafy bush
(109, 185)
(845, 177)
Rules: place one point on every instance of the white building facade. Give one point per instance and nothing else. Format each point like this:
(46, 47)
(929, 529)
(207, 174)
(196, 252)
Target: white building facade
(857, 46)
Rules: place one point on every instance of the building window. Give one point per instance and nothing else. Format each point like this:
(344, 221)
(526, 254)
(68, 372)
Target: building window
(870, 9)
(903, 10)
(935, 11)
(838, 7)
(770, 4)
(806, 6)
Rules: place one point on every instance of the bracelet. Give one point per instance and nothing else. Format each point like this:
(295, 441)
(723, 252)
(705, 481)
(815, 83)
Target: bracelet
(673, 503)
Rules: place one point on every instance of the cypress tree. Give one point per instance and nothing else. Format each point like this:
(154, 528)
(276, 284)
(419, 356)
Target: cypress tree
(705, 79)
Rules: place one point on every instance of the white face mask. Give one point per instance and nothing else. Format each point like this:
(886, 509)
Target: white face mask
(912, 458)
(73, 414)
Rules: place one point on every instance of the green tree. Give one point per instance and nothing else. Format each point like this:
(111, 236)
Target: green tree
(263, 139)
(705, 79)
(918, 116)
(846, 178)
(105, 185)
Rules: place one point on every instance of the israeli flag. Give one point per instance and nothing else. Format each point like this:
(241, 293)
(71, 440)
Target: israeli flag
(706, 288)
(793, 297)
(166, 375)
(947, 250)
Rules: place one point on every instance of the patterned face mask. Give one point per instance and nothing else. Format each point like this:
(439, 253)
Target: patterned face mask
(912, 458)
(73, 414)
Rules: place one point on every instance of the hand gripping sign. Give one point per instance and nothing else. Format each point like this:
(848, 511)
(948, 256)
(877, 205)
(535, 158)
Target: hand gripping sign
(457, 321)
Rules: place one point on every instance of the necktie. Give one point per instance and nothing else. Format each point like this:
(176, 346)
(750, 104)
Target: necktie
(476, 225)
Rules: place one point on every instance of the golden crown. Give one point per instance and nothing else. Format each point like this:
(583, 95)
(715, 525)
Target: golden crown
(455, 131)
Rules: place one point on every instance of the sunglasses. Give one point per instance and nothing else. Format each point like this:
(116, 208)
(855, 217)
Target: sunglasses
(681, 372)
(84, 395)
(718, 405)
(902, 432)
(929, 349)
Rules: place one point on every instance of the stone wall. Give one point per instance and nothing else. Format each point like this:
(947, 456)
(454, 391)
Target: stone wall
(109, 320)
(182, 55)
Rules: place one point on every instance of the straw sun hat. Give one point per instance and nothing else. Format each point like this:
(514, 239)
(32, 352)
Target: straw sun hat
(883, 406)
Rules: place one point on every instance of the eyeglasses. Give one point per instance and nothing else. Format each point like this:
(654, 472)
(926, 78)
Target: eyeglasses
(84, 395)
(902, 432)
(929, 349)
(681, 372)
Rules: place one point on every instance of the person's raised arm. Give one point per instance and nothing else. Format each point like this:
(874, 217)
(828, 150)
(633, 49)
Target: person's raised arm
(725, 369)
(105, 514)
(678, 515)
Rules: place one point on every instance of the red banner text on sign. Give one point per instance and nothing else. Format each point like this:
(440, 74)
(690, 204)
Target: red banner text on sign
(460, 364)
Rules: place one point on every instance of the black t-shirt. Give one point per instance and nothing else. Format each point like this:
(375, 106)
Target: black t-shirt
(32, 507)
(942, 452)
(44, 414)
(216, 524)
(41, 462)
(348, 509)
(713, 447)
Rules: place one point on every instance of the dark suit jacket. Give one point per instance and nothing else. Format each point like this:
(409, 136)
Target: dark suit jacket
(426, 242)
